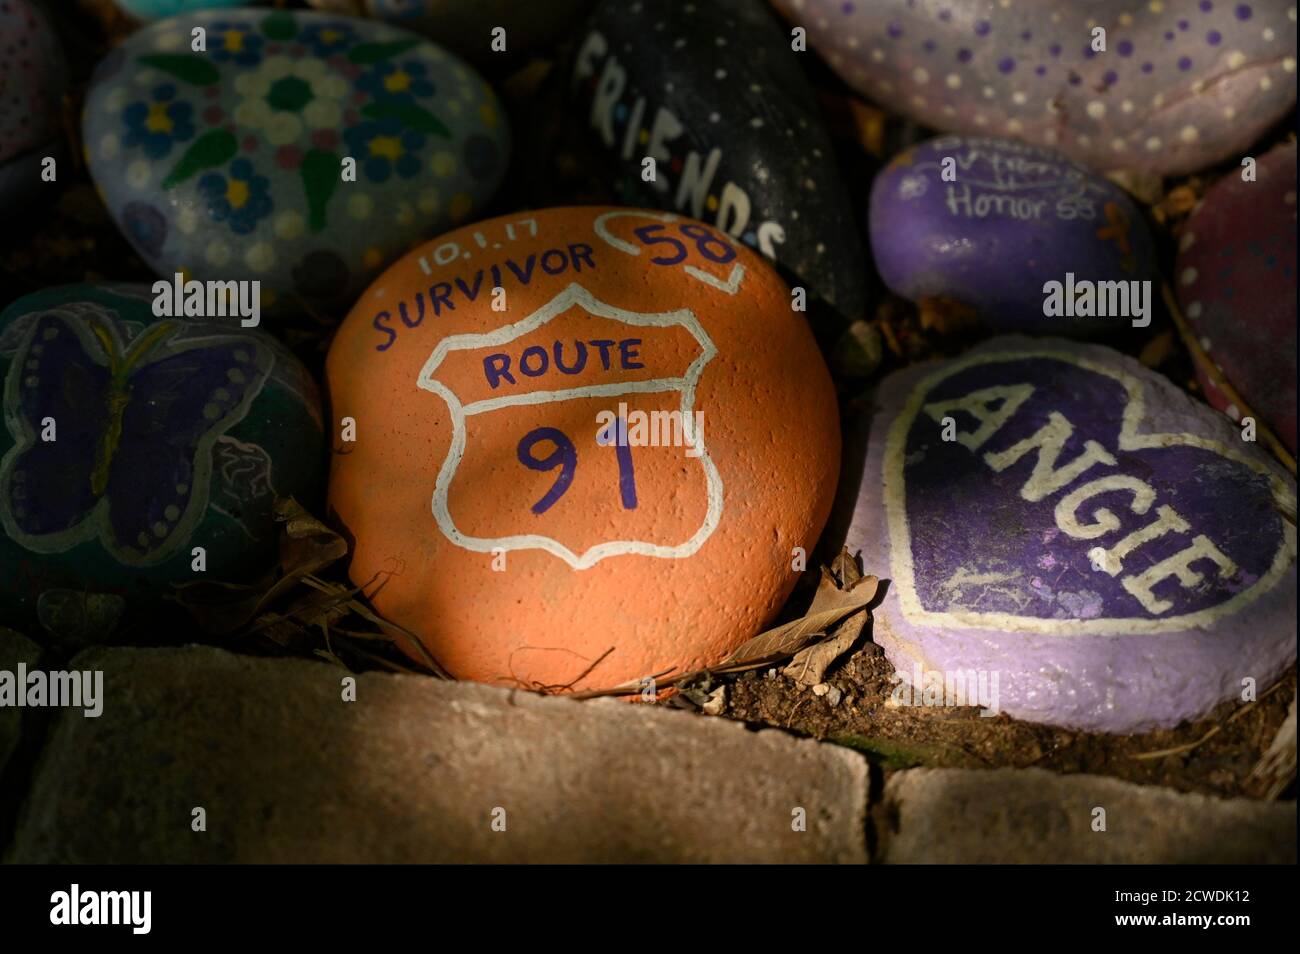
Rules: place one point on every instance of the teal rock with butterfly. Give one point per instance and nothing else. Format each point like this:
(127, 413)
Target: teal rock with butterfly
(230, 163)
(157, 9)
(129, 440)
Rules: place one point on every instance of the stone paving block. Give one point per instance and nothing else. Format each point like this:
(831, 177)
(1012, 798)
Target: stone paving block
(1010, 816)
(412, 772)
(15, 648)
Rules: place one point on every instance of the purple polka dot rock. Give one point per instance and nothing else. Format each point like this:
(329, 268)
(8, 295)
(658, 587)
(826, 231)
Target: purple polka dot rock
(1181, 84)
(1236, 277)
(31, 90)
(1096, 545)
(1008, 219)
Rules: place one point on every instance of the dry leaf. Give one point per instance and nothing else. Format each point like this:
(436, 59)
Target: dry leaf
(945, 316)
(1157, 351)
(1276, 769)
(808, 668)
(845, 568)
(306, 547)
(830, 605)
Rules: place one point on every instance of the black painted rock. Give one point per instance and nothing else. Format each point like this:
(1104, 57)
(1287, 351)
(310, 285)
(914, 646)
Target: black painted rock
(713, 93)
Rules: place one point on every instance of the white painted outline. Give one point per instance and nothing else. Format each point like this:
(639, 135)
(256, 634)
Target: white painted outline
(730, 286)
(574, 294)
(1129, 439)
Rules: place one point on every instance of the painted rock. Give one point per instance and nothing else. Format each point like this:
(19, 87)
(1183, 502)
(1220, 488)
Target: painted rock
(1237, 287)
(230, 164)
(603, 480)
(1181, 84)
(712, 94)
(159, 9)
(130, 440)
(465, 26)
(1100, 548)
(1012, 218)
(31, 92)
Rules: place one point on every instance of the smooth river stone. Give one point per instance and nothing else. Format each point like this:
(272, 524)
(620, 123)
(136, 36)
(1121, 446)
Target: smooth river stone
(1236, 284)
(158, 9)
(227, 163)
(1182, 84)
(711, 92)
(168, 434)
(991, 563)
(32, 80)
(1016, 217)
(517, 547)
(465, 26)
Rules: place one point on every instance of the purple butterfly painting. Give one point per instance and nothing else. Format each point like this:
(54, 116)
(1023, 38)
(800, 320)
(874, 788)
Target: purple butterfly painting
(134, 420)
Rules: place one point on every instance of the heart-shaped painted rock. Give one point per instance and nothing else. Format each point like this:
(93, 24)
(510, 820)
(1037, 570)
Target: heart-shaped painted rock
(465, 26)
(1104, 549)
(128, 441)
(32, 81)
(1237, 287)
(607, 477)
(1180, 85)
(711, 92)
(988, 223)
(232, 164)
(159, 9)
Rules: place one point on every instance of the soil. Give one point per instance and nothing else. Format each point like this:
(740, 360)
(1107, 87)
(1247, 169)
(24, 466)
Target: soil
(897, 736)
(70, 238)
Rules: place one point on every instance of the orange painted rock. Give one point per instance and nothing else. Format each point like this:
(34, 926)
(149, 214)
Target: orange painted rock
(587, 445)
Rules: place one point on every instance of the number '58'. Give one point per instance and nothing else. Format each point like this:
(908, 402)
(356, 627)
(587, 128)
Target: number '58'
(705, 243)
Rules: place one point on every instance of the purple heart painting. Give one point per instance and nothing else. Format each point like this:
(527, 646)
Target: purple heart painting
(1060, 515)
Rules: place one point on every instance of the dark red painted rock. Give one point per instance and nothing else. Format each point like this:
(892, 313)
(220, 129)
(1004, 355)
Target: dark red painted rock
(1236, 279)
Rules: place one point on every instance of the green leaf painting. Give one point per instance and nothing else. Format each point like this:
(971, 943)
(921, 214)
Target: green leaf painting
(415, 117)
(211, 149)
(367, 54)
(320, 177)
(280, 26)
(187, 67)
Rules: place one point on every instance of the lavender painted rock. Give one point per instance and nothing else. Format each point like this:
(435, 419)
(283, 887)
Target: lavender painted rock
(31, 91)
(230, 163)
(1104, 543)
(1181, 85)
(1237, 287)
(128, 440)
(710, 91)
(1015, 217)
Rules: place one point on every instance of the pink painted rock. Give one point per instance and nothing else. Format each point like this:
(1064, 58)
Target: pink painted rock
(1237, 286)
(31, 91)
(1099, 548)
(1181, 85)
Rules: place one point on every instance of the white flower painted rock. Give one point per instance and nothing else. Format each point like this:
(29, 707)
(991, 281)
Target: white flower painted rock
(31, 91)
(1237, 286)
(1181, 84)
(231, 164)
